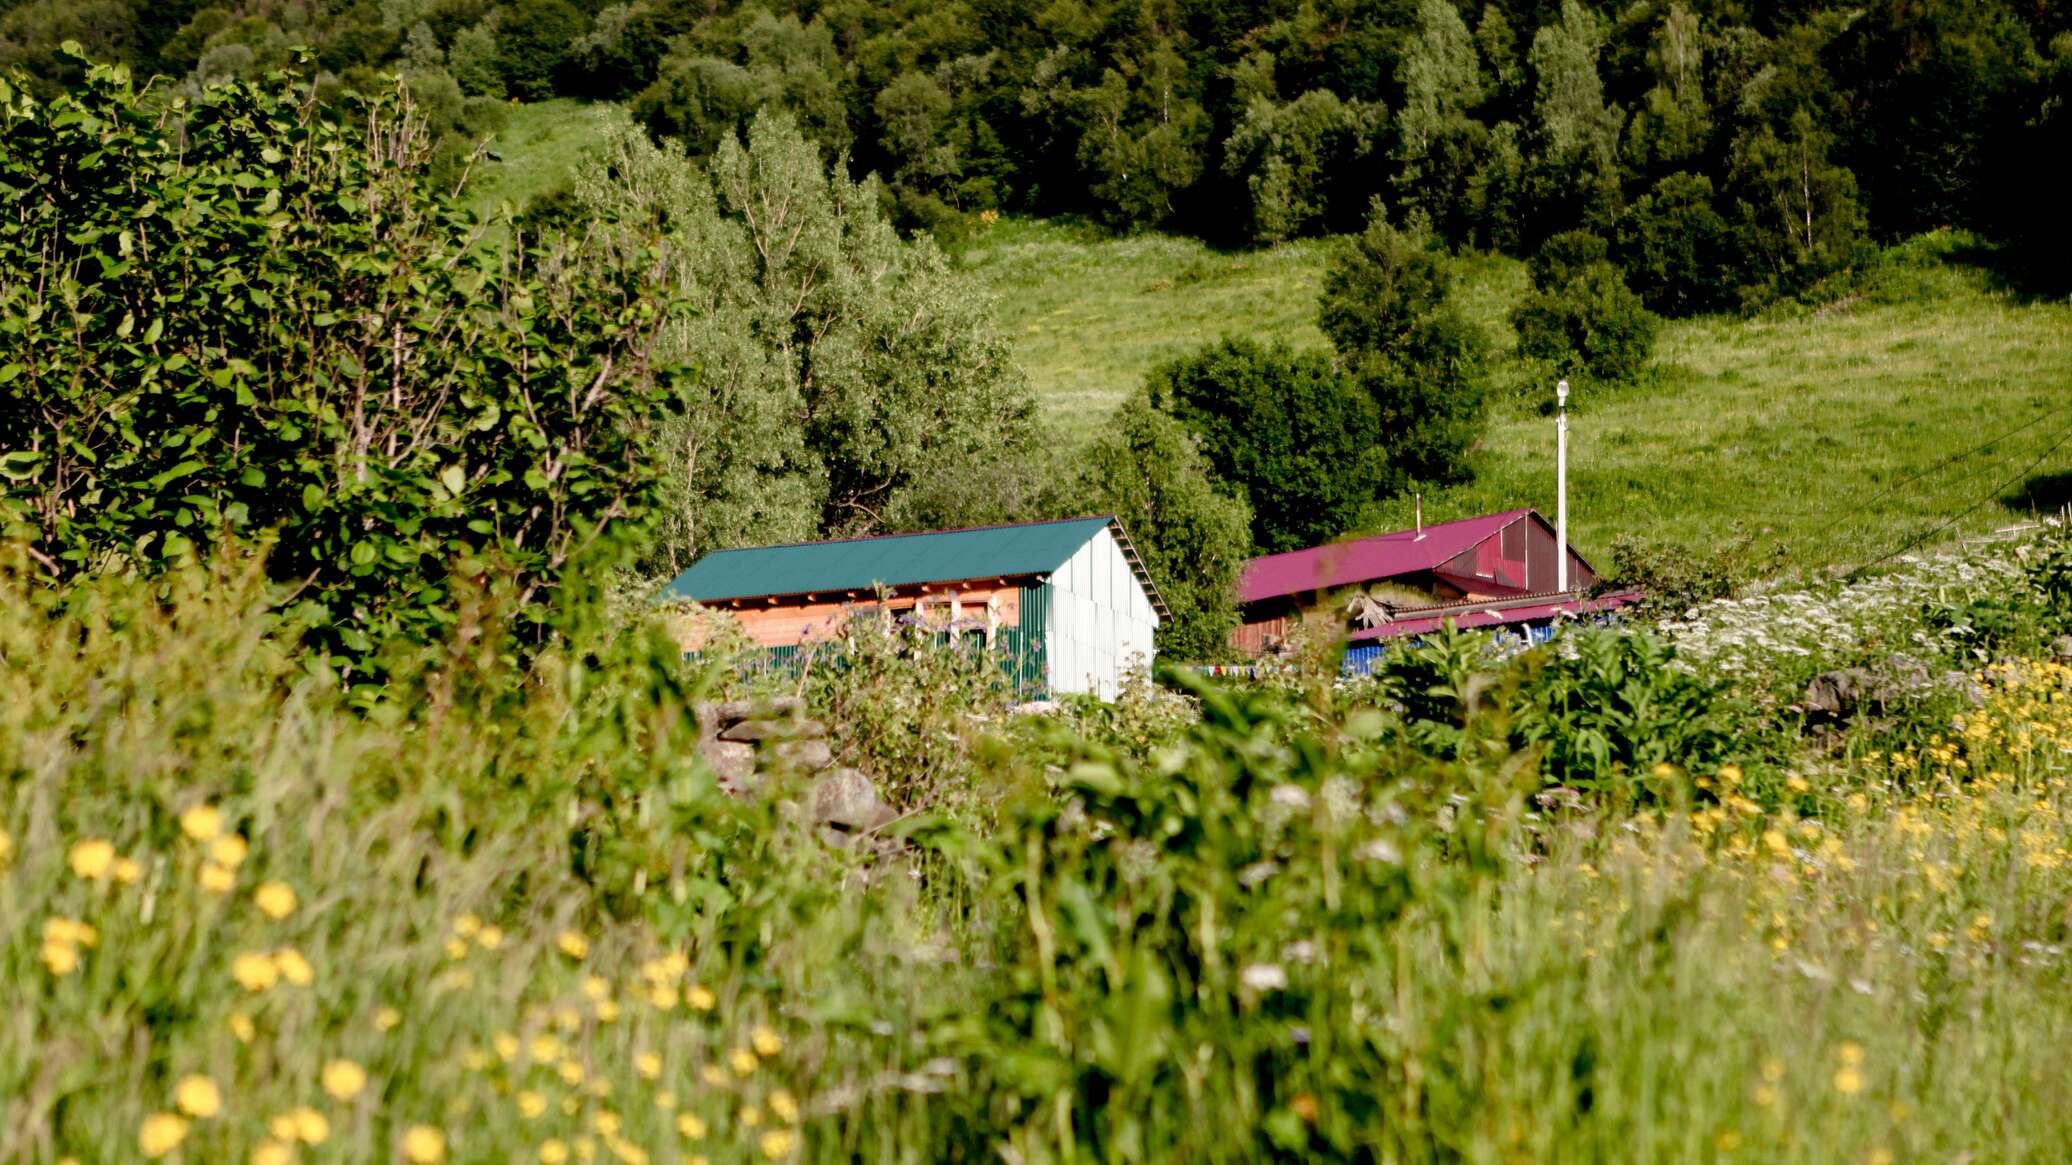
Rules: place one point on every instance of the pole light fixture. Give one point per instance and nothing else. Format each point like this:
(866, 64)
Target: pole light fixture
(1561, 487)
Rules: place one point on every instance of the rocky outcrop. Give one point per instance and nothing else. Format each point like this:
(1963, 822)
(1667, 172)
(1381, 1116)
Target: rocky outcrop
(751, 743)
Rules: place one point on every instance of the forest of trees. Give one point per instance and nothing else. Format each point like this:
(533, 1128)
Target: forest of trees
(1729, 150)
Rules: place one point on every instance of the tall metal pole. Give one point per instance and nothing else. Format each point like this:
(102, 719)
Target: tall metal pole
(1561, 487)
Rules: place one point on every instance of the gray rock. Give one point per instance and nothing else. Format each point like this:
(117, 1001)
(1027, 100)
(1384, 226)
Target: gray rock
(732, 762)
(773, 730)
(718, 714)
(808, 755)
(2062, 646)
(845, 797)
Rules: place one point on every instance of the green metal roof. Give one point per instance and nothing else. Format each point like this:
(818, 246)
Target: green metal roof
(891, 560)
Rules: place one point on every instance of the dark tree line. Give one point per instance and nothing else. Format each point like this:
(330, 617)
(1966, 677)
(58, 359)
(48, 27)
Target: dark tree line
(1730, 150)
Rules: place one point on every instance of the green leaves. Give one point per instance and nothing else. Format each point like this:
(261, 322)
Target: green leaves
(233, 341)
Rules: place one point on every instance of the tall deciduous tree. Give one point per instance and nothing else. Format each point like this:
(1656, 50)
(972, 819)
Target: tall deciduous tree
(1148, 470)
(848, 376)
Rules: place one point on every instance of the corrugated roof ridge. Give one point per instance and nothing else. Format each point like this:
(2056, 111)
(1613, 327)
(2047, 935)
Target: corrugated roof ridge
(914, 534)
(1428, 528)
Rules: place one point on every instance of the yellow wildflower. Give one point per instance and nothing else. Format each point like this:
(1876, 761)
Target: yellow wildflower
(531, 1104)
(217, 879)
(91, 858)
(293, 967)
(344, 1079)
(126, 871)
(742, 1061)
(6, 846)
(544, 1048)
(424, 1145)
(574, 945)
(648, 1064)
(456, 948)
(197, 1096)
(690, 1126)
(750, 1117)
(777, 1142)
(785, 1106)
(607, 1011)
(61, 958)
(663, 997)
(254, 972)
(276, 900)
(571, 1072)
(607, 1123)
(714, 1075)
(242, 1027)
(387, 1018)
(1848, 1080)
(311, 1127)
(202, 822)
(491, 937)
(553, 1152)
(466, 926)
(228, 850)
(160, 1134)
(700, 998)
(271, 1153)
(665, 1100)
(766, 1041)
(1849, 1052)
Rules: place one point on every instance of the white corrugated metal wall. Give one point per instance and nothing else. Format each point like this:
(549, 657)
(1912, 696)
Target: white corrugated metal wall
(1101, 621)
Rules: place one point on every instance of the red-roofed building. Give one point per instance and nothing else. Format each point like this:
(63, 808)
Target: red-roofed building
(1493, 570)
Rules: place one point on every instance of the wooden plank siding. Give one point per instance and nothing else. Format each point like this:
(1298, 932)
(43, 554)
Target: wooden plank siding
(790, 620)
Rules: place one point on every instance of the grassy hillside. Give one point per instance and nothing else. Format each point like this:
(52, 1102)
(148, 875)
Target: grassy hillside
(537, 148)
(1832, 434)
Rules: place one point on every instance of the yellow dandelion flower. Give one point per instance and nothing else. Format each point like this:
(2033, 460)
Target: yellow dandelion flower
(785, 1105)
(242, 1027)
(61, 958)
(1776, 842)
(568, 1019)
(254, 972)
(596, 988)
(202, 822)
(544, 1048)
(714, 1075)
(571, 1072)
(766, 1041)
(648, 1064)
(387, 1018)
(1766, 1095)
(607, 1123)
(424, 1145)
(276, 900)
(607, 1011)
(663, 997)
(742, 1061)
(344, 1079)
(690, 1126)
(271, 1153)
(570, 1106)
(665, 1100)
(1849, 1052)
(310, 1126)
(491, 937)
(600, 1087)
(750, 1116)
(1848, 1080)
(777, 1143)
(229, 850)
(70, 931)
(700, 998)
(126, 871)
(160, 1134)
(456, 948)
(531, 1105)
(505, 1045)
(92, 858)
(1727, 1141)
(6, 847)
(293, 967)
(217, 879)
(574, 945)
(553, 1152)
(466, 926)
(198, 1096)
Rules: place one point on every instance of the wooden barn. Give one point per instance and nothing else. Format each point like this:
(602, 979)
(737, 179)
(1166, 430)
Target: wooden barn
(1065, 606)
(1489, 571)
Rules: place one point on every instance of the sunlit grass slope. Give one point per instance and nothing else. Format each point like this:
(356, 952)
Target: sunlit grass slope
(537, 148)
(1792, 428)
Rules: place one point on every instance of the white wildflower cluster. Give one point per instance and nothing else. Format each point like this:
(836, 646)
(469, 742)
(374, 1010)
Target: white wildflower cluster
(1786, 636)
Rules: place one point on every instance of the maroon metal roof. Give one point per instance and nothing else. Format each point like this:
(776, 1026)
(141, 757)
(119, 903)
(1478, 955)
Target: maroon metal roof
(1524, 609)
(1364, 560)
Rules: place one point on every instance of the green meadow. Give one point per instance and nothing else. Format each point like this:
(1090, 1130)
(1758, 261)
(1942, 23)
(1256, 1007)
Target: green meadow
(1839, 433)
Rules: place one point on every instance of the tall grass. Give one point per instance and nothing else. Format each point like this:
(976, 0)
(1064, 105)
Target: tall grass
(1261, 928)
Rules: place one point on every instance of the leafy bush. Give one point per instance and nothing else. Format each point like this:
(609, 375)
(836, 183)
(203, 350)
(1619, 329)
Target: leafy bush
(1294, 434)
(1581, 317)
(259, 321)
(1673, 247)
